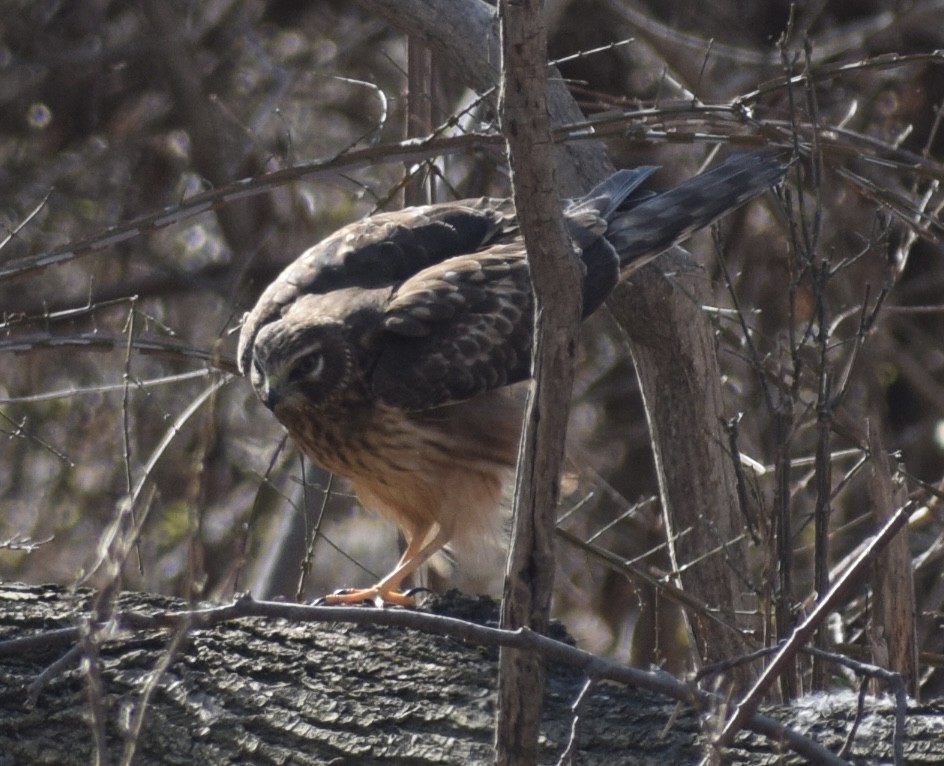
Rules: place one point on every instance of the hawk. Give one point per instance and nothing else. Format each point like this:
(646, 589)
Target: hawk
(386, 349)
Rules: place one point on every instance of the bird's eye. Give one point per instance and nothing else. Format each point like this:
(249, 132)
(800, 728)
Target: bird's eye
(308, 367)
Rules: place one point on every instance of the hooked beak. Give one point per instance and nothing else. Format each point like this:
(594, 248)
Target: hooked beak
(267, 388)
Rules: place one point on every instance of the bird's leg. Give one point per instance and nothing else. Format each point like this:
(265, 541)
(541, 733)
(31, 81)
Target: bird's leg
(387, 591)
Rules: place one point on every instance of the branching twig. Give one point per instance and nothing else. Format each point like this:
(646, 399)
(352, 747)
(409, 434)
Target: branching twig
(804, 630)
(894, 680)
(569, 756)
(171, 349)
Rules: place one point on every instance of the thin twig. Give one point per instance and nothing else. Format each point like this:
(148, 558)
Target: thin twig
(569, 756)
(805, 629)
(894, 680)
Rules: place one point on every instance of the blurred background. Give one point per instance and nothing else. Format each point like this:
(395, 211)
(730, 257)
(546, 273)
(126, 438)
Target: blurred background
(116, 385)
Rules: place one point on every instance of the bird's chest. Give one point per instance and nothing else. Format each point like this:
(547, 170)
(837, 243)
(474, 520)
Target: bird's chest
(444, 466)
(355, 439)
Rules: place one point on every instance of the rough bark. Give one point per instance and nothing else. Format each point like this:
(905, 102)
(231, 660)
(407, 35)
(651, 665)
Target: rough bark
(891, 630)
(255, 691)
(529, 576)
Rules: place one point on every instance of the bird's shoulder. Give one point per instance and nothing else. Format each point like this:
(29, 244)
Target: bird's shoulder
(388, 248)
(456, 330)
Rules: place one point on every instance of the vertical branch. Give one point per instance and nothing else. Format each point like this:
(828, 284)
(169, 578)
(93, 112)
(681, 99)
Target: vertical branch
(419, 113)
(820, 275)
(892, 635)
(783, 606)
(530, 572)
(822, 509)
(784, 415)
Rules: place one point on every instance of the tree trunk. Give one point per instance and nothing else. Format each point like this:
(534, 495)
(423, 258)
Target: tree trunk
(257, 691)
(674, 350)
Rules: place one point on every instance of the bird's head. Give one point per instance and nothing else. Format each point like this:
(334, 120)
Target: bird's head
(298, 364)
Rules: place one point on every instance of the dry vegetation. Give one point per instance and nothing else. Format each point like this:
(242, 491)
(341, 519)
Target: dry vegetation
(116, 394)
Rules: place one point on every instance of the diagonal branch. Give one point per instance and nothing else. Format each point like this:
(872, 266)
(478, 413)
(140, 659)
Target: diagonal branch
(804, 631)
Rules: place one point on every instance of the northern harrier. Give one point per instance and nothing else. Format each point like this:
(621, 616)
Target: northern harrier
(384, 349)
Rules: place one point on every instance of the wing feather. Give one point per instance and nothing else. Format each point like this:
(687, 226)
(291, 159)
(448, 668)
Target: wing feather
(380, 251)
(456, 330)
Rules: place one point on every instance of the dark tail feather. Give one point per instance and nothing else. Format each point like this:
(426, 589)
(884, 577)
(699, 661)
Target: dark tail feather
(608, 195)
(655, 224)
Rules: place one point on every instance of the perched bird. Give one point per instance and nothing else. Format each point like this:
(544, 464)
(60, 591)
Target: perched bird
(386, 348)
